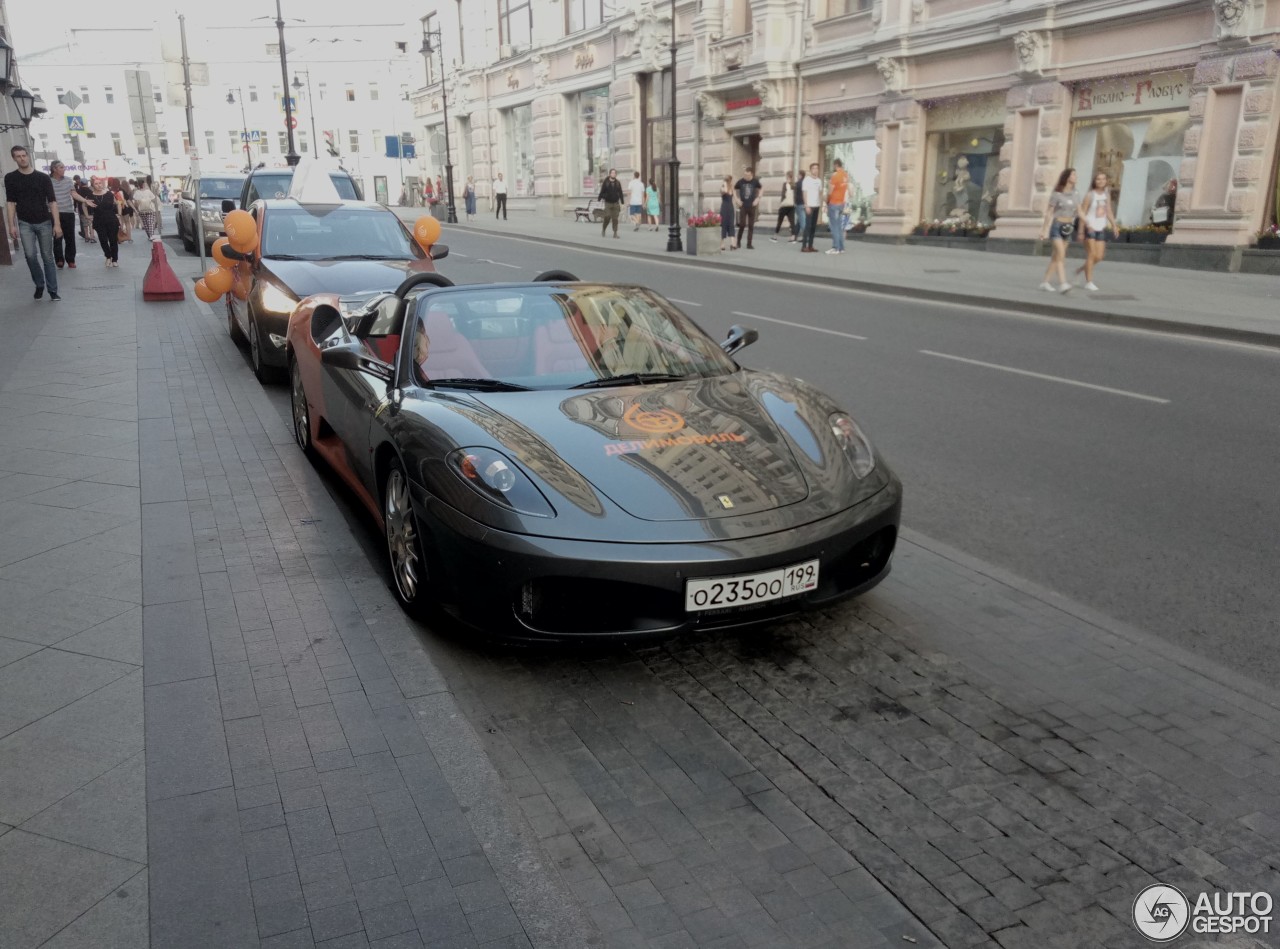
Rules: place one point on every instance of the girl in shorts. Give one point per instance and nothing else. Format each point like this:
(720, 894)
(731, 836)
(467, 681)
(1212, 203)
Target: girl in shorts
(1095, 212)
(1060, 219)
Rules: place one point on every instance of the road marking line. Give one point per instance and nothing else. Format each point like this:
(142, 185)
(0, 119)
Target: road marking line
(498, 263)
(1041, 375)
(683, 302)
(803, 326)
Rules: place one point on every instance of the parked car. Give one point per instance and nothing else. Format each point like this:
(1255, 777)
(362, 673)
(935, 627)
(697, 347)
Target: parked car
(573, 460)
(274, 183)
(305, 249)
(214, 189)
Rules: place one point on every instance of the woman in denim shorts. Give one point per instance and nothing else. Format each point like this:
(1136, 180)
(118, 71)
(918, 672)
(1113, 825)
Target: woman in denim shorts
(1060, 220)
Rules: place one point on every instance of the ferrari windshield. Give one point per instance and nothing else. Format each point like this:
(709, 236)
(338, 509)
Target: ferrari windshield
(333, 231)
(558, 337)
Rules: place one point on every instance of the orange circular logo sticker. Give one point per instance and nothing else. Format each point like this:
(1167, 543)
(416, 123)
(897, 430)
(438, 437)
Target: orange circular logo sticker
(662, 422)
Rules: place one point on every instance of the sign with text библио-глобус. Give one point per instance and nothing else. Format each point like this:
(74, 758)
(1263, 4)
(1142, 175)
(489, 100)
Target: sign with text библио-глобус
(1155, 92)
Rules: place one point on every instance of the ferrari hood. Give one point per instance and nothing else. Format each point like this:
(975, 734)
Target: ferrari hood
(305, 277)
(705, 448)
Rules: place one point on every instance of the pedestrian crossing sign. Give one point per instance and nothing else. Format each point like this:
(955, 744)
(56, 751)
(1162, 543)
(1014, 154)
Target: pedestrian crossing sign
(75, 123)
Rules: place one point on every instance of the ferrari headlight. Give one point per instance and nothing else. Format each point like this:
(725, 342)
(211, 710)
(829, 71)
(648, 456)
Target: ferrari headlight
(856, 445)
(496, 477)
(275, 300)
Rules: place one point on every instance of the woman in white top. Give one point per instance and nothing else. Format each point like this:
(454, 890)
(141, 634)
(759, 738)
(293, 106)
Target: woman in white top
(1095, 211)
(147, 205)
(1060, 219)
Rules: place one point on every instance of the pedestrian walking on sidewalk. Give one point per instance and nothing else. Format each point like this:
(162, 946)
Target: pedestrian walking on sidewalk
(147, 205)
(469, 197)
(611, 195)
(86, 224)
(500, 195)
(64, 247)
(797, 232)
(127, 215)
(786, 208)
(837, 192)
(106, 221)
(812, 190)
(749, 189)
(726, 214)
(32, 211)
(1095, 211)
(1060, 219)
(635, 200)
(652, 203)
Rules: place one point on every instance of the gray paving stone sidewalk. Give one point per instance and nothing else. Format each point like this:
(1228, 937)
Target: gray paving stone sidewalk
(1244, 306)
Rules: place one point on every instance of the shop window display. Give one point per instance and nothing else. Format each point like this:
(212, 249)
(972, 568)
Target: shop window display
(520, 144)
(595, 125)
(860, 162)
(966, 166)
(1139, 155)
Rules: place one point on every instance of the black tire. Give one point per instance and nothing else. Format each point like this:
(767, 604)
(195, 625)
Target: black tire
(555, 276)
(188, 243)
(233, 328)
(405, 560)
(300, 411)
(264, 373)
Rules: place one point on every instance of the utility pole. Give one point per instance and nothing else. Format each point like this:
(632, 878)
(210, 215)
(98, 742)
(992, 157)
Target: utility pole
(293, 157)
(186, 83)
(144, 100)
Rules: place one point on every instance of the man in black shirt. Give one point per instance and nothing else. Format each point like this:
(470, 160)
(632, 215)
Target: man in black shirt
(33, 219)
(611, 195)
(748, 188)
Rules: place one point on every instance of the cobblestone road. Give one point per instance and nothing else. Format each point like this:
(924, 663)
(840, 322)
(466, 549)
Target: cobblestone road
(1013, 773)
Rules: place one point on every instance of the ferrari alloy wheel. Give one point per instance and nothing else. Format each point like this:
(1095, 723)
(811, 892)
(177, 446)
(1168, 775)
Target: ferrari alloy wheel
(404, 548)
(298, 399)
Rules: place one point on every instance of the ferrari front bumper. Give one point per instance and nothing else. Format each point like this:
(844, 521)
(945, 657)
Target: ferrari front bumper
(524, 586)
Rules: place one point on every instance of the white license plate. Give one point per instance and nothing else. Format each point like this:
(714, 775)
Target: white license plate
(718, 593)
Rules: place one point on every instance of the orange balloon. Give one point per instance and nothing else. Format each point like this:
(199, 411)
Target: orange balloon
(241, 231)
(216, 253)
(219, 279)
(426, 231)
(206, 292)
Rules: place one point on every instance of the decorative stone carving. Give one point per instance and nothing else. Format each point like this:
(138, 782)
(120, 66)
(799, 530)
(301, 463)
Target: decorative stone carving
(770, 100)
(647, 33)
(918, 11)
(877, 12)
(1233, 19)
(584, 57)
(1032, 49)
(712, 107)
(513, 81)
(893, 72)
(541, 70)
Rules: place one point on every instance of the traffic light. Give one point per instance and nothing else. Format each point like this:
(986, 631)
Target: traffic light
(329, 143)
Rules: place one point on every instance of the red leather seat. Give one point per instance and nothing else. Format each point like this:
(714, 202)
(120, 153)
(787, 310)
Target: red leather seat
(451, 355)
(556, 350)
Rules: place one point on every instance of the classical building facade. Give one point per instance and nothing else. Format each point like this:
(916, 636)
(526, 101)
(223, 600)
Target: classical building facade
(941, 109)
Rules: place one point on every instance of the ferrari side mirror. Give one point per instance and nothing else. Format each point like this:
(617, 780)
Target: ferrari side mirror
(439, 251)
(738, 338)
(353, 356)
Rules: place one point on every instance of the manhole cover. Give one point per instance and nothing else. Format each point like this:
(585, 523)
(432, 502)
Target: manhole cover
(927, 270)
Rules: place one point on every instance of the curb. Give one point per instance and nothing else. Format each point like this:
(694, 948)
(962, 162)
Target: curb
(1152, 323)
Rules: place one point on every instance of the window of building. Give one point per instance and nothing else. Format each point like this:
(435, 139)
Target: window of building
(303, 145)
(740, 17)
(164, 146)
(158, 96)
(430, 24)
(379, 143)
(595, 135)
(234, 139)
(323, 88)
(84, 94)
(373, 92)
(520, 168)
(351, 94)
(515, 23)
(210, 143)
(354, 140)
(186, 143)
(116, 145)
(844, 7)
(90, 134)
(583, 14)
(110, 94)
(264, 142)
(283, 139)
(253, 93)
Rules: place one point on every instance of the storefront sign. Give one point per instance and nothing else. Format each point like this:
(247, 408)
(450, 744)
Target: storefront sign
(848, 126)
(968, 112)
(1158, 92)
(741, 103)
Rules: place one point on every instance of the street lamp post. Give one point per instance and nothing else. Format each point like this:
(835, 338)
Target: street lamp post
(244, 129)
(444, 106)
(293, 157)
(311, 108)
(674, 244)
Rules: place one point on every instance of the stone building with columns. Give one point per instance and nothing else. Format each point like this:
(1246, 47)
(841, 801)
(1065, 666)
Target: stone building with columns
(961, 110)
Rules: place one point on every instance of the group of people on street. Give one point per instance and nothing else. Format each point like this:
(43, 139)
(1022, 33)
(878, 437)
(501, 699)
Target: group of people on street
(43, 211)
(644, 204)
(800, 206)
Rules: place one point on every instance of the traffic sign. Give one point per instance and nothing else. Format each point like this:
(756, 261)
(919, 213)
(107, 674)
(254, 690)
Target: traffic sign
(292, 122)
(75, 123)
(255, 136)
(70, 100)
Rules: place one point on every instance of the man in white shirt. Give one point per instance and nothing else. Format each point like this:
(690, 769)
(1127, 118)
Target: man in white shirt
(64, 247)
(812, 187)
(500, 196)
(635, 199)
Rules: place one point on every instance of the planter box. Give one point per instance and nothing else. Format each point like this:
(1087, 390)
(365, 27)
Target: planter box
(1269, 243)
(701, 241)
(1147, 237)
(440, 211)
